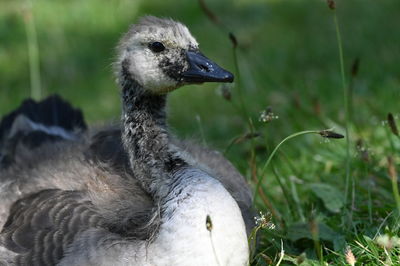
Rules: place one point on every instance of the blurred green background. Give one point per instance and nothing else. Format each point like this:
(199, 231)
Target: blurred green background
(287, 55)
(288, 60)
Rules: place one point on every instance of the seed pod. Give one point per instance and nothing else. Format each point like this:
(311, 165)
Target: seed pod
(209, 13)
(355, 67)
(330, 134)
(233, 39)
(226, 92)
(392, 124)
(209, 225)
(331, 4)
(350, 258)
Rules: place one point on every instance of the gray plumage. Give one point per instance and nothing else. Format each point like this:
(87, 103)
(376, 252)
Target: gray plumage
(112, 187)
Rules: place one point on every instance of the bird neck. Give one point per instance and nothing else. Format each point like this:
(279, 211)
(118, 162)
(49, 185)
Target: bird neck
(146, 139)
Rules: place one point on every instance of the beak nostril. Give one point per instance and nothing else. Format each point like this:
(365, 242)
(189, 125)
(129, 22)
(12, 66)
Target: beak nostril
(204, 68)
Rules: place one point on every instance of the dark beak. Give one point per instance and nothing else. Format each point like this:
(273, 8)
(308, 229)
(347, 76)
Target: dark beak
(201, 69)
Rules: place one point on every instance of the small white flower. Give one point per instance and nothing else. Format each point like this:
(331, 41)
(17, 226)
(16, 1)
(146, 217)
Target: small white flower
(267, 115)
(388, 242)
(350, 258)
(264, 221)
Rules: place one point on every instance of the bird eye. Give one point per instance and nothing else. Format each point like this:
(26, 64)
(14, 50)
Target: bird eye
(156, 47)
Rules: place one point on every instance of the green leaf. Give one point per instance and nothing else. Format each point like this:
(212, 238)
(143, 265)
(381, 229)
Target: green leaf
(330, 196)
(339, 243)
(302, 230)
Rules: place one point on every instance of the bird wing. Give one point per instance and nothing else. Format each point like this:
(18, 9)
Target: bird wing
(34, 123)
(42, 225)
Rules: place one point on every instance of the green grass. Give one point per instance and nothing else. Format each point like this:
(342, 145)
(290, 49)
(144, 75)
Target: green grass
(288, 59)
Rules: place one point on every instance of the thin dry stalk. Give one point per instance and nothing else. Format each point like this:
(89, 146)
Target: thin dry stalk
(33, 50)
(393, 177)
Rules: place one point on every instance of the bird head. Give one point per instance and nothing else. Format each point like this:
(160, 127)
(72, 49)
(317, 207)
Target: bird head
(161, 55)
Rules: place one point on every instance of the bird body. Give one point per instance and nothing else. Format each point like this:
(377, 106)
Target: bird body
(185, 218)
(130, 196)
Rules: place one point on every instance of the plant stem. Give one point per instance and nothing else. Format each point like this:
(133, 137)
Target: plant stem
(393, 177)
(33, 51)
(281, 254)
(239, 86)
(346, 105)
(285, 192)
(396, 193)
(263, 171)
(296, 199)
(203, 139)
(249, 121)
